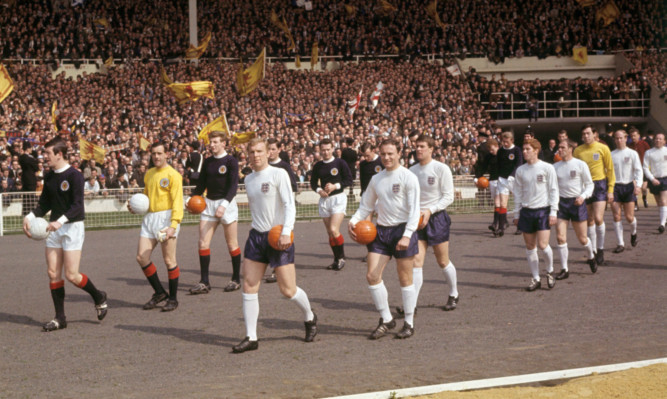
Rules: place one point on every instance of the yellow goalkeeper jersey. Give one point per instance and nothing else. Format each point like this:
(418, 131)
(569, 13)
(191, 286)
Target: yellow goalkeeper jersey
(598, 158)
(164, 188)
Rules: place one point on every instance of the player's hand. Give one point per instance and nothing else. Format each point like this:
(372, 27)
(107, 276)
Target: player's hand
(610, 198)
(329, 188)
(655, 182)
(53, 226)
(220, 211)
(171, 233)
(475, 180)
(323, 193)
(578, 201)
(552, 220)
(350, 230)
(284, 242)
(515, 222)
(129, 208)
(426, 216)
(403, 244)
(26, 227)
(638, 190)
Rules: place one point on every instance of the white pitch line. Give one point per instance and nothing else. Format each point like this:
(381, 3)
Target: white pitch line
(502, 381)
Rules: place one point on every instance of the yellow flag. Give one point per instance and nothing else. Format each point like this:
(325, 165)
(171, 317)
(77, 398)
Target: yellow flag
(219, 125)
(192, 91)
(102, 22)
(351, 10)
(108, 62)
(282, 25)
(387, 7)
(54, 118)
(315, 56)
(608, 13)
(6, 83)
(89, 150)
(143, 143)
(432, 11)
(292, 45)
(242, 138)
(248, 79)
(586, 3)
(580, 55)
(298, 61)
(196, 52)
(165, 79)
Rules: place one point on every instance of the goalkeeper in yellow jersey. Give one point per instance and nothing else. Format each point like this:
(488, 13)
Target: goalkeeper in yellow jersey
(164, 188)
(598, 158)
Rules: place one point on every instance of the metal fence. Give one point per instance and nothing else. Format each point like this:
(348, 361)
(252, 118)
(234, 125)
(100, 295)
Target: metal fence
(108, 208)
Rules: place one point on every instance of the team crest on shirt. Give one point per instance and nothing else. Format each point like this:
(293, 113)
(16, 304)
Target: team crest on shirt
(265, 188)
(540, 178)
(511, 157)
(573, 174)
(164, 183)
(430, 180)
(396, 188)
(377, 169)
(222, 169)
(626, 159)
(596, 157)
(334, 172)
(64, 186)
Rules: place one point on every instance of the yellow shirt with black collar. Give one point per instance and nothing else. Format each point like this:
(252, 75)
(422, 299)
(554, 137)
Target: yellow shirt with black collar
(598, 158)
(164, 188)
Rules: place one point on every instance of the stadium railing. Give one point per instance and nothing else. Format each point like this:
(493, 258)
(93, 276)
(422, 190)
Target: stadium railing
(108, 209)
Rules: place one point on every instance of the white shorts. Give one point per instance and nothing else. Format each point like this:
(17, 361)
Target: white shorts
(69, 237)
(332, 205)
(154, 222)
(493, 188)
(231, 212)
(505, 186)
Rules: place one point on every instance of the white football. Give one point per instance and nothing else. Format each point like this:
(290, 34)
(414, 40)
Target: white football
(38, 229)
(139, 204)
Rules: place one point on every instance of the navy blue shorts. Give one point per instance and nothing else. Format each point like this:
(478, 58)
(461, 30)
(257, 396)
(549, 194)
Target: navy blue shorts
(533, 220)
(624, 193)
(257, 248)
(655, 190)
(436, 230)
(387, 238)
(599, 192)
(567, 210)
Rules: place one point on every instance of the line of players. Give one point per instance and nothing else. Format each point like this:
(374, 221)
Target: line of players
(576, 189)
(405, 202)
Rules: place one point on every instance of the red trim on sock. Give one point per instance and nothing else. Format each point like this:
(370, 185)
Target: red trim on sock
(502, 211)
(235, 252)
(205, 252)
(149, 270)
(332, 242)
(84, 281)
(339, 240)
(57, 284)
(174, 273)
(496, 209)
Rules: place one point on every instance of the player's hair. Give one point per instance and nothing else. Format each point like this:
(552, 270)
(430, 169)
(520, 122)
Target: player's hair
(632, 130)
(158, 144)
(273, 140)
(58, 145)
(349, 141)
(257, 140)
(507, 135)
(365, 147)
(195, 144)
(537, 146)
(430, 142)
(563, 131)
(493, 142)
(586, 126)
(216, 133)
(27, 145)
(393, 142)
(325, 142)
(571, 143)
(622, 131)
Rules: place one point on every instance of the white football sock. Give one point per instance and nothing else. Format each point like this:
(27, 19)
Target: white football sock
(450, 276)
(534, 263)
(251, 314)
(618, 228)
(591, 236)
(589, 249)
(301, 299)
(663, 215)
(563, 253)
(418, 279)
(633, 225)
(599, 233)
(409, 302)
(550, 258)
(381, 300)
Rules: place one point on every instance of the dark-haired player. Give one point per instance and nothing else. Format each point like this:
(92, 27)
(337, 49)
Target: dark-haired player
(219, 177)
(509, 159)
(63, 196)
(489, 164)
(394, 194)
(271, 203)
(164, 188)
(329, 179)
